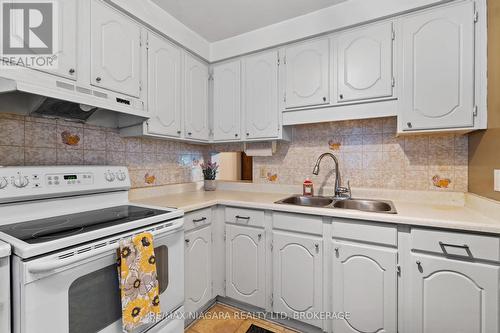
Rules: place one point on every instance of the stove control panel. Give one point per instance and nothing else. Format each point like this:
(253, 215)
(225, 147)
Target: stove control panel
(18, 183)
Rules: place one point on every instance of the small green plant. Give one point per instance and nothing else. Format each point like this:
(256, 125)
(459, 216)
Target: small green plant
(209, 170)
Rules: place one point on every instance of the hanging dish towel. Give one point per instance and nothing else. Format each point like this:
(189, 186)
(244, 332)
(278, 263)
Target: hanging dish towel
(138, 281)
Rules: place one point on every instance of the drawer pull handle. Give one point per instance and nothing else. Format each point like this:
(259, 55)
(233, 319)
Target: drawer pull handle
(200, 220)
(464, 247)
(242, 217)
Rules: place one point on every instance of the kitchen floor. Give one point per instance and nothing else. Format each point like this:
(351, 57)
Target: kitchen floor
(225, 319)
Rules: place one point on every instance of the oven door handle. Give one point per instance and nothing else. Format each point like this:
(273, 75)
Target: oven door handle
(45, 266)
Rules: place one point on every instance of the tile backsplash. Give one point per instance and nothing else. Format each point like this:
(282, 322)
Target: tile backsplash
(39, 141)
(370, 155)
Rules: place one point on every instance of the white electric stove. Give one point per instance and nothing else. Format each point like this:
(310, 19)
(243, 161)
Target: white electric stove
(4, 287)
(64, 225)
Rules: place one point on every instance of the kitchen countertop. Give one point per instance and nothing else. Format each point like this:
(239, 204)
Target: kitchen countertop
(4, 250)
(418, 214)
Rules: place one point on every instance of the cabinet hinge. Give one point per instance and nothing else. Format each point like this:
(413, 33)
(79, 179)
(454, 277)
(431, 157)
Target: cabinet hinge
(284, 60)
(398, 270)
(224, 286)
(210, 77)
(140, 85)
(284, 97)
(393, 82)
(393, 34)
(474, 113)
(224, 236)
(476, 16)
(272, 299)
(272, 247)
(278, 60)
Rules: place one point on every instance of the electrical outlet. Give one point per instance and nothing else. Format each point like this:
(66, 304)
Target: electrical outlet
(497, 180)
(263, 172)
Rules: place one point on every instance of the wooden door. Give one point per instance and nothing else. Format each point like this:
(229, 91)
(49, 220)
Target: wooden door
(438, 71)
(245, 265)
(164, 87)
(308, 74)
(365, 286)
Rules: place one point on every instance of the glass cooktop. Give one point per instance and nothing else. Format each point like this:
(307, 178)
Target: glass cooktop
(49, 229)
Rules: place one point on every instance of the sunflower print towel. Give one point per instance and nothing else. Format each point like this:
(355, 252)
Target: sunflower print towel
(138, 281)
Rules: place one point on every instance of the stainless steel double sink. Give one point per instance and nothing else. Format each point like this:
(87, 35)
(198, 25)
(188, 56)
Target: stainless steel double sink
(365, 205)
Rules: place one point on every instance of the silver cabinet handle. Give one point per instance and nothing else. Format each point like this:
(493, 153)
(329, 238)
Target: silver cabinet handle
(179, 132)
(72, 71)
(410, 125)
(324, 99)
(98, 79)
(464, 247)
(419, 263)
(337, 250)
(187, 241)
(259, 236)
(200, 220)
(316, 246)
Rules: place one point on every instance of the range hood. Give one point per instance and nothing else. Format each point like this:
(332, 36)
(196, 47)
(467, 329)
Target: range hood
(68, 102)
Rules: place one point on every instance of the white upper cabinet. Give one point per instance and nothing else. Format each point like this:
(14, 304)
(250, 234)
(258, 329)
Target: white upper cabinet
(196, 99)
(164, 87)
(198, 269)
(372, 302)
(438, 69)
(453, 296)
(260, 94)
(116, 50)
(308, 74)
(365, 69)
(66, 50)
(227, 101)
(298, 275)
(246, 265)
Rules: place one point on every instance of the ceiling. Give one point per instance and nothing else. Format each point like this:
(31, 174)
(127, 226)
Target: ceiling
(220, 19)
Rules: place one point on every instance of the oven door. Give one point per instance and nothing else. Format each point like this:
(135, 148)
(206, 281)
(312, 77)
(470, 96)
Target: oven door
(84, 296)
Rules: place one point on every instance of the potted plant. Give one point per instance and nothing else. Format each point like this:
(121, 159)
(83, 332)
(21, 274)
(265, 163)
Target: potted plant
(209, 175)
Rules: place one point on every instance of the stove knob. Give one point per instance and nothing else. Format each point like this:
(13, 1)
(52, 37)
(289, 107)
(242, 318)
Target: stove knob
(21, 181)
(121, 176)
(3, 183)
(109, 176)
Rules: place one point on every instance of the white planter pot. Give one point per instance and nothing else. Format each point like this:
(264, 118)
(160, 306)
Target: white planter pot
(210, 185)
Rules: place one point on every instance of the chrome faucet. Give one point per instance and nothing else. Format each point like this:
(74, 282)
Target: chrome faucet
(341, 193)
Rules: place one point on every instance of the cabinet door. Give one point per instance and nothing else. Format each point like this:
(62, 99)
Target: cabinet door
(164, 87)
(365, 285)
(245, 265)
(308, 74)
(116, 50)
(365, 63)
(227, 101)
(298, 276)
(66, 50)
(453, 296)
(438, 70)
(196, 99)
(198, 269)
(261, 96)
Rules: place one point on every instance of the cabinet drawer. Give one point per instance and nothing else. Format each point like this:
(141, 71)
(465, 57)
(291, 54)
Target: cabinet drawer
(243, 216)
(197, 219)
(386, 234)
(456, 244)
(298, 222)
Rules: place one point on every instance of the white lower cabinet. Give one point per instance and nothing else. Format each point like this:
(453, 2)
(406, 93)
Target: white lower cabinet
(298, 276)
(198, 268)
(246, 265)
(453, 296)
(365, 287)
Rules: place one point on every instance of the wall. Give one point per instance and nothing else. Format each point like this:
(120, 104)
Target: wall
(39, 141)
(484, 151)
(370, 155)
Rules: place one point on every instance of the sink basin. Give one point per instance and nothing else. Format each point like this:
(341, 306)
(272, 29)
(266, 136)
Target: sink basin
(365, 205)
(307, 201)
(375, 206)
